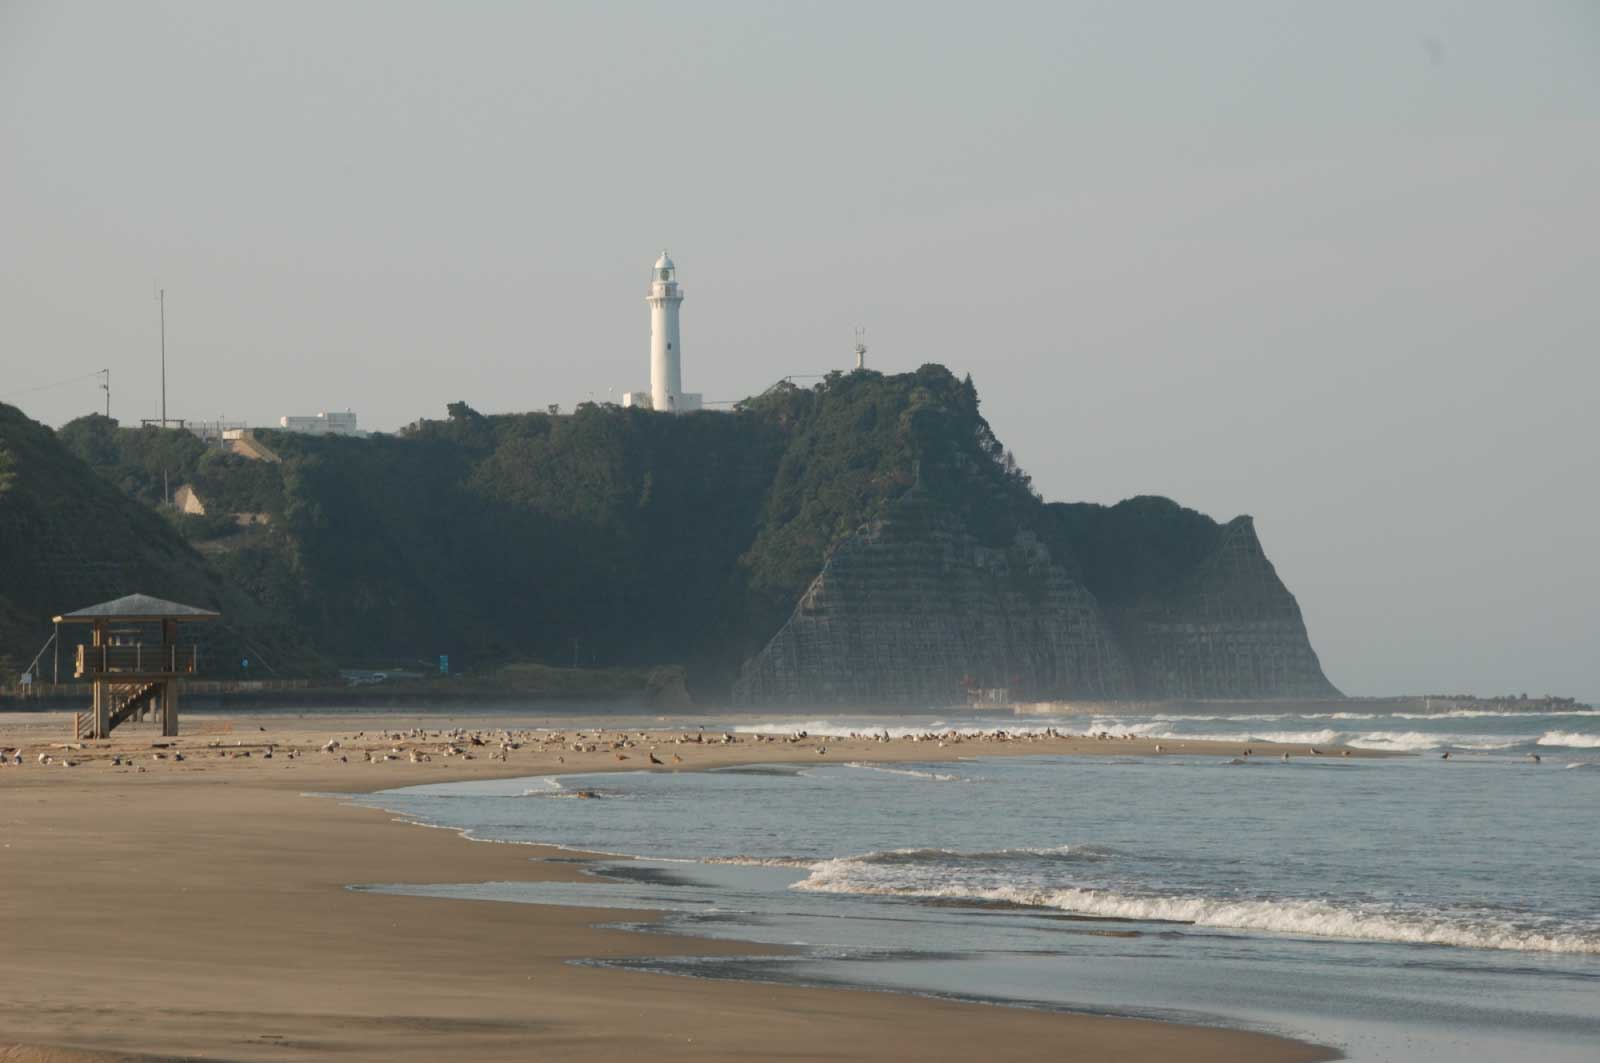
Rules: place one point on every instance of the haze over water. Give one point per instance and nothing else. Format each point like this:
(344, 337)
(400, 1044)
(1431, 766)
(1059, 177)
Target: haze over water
(1415, 908)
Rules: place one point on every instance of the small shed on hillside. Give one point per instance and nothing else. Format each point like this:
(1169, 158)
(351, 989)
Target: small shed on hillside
(188, 501)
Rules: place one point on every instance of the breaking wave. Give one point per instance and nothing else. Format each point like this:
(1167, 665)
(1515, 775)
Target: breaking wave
(756, 861)
(1471, 714)
(866, 874)
(1414, 741)
(931, 776)
(1392, 741)
(1571, 739)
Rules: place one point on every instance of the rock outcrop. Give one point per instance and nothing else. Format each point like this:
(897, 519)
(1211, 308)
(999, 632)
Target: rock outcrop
(1232, 630)
(914, 611)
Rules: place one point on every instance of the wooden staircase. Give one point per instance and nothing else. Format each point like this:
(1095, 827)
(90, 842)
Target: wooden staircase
(132, 698)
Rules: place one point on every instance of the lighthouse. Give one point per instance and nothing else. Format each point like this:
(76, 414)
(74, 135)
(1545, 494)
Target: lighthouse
(666, 346)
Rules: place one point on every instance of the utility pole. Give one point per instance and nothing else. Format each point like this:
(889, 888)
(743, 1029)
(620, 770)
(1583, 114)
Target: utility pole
(105, 386)
(161, 297)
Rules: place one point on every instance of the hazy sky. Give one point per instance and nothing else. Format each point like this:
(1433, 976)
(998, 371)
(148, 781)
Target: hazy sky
(1336, 265)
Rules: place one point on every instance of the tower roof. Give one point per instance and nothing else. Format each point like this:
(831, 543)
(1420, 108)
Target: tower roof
(136, 607)
(665, 262)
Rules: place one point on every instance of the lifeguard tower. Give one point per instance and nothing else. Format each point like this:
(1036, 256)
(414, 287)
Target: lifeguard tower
(134, 661)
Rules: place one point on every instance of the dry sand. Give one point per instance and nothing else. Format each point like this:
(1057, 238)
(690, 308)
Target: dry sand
(198, 909)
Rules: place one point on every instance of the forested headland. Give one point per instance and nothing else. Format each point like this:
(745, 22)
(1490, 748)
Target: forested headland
(603, 537)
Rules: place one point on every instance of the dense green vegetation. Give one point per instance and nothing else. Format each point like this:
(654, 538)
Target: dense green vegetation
(605, 537)
(69, 538)
(1137, 548)
(856, 444)
(149, 463)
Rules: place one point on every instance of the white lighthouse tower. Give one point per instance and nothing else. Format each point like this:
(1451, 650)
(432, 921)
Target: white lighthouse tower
(666, 346)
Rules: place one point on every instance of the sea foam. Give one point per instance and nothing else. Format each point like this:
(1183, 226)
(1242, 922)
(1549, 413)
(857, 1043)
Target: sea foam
(910, 773)
(1571, 739)
(867, 874)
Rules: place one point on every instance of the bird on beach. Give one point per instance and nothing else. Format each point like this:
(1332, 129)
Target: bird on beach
(655, 759)
(1534, 757)
(1445, 755)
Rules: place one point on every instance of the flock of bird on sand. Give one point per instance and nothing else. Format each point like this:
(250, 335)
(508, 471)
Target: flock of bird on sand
(419, 746)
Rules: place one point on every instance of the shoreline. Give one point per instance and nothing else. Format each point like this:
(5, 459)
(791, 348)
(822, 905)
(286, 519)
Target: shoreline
(201, 908)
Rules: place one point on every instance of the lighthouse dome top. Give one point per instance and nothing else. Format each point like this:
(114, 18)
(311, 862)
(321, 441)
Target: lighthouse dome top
(665, 262)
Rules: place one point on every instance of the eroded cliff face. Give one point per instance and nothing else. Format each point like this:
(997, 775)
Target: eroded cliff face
(913, 610)
(1232, 630)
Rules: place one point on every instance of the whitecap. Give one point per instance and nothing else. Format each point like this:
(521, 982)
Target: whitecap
(1420, 741)
(1468, 714)
(1312, 918)
(1572, 739)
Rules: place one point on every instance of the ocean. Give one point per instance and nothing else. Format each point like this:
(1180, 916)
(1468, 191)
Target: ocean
(1407, 908)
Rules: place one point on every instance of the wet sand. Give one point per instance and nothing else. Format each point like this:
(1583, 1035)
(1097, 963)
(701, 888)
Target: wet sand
(198, 909)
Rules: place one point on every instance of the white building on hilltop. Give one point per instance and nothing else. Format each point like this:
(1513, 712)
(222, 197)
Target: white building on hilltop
(666, 349)
(332, 424)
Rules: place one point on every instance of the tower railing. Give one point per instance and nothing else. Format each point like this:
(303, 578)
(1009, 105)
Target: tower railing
(137, 660)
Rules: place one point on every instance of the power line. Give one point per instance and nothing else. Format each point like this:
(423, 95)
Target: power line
(47, 387)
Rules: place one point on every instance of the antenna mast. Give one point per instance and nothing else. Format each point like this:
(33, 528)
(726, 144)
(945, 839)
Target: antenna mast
(161, 297)
(105, 386)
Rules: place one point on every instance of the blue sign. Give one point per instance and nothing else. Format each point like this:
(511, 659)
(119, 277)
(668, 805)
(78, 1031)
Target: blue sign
(444, 664)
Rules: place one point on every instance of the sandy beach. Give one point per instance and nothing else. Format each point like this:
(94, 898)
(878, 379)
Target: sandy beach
(167, 908)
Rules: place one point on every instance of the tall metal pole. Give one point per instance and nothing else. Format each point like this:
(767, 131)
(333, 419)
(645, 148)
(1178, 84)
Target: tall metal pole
(105, 385)
(162, 298)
